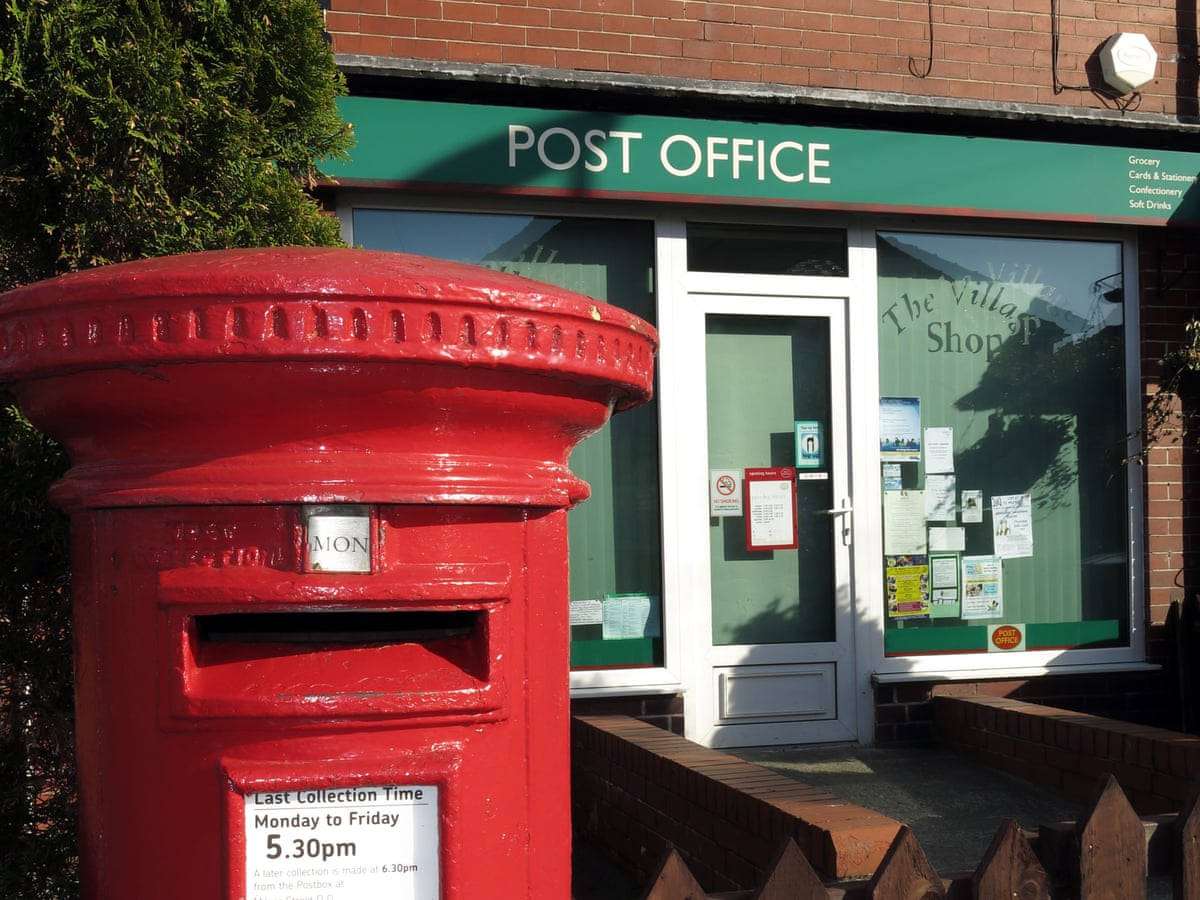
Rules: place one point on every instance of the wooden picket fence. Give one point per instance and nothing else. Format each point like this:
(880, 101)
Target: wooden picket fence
(1109, 855)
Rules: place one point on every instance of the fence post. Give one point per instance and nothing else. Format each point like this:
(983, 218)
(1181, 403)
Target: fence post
(674, 880)
(905, 872)
(1010, 868)
(1187, 850)
(791, 877)
(1112, 848)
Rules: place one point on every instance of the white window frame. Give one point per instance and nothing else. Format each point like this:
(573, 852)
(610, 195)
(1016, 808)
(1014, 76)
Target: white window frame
(671, 286)
(664, 679)
(1030, 663)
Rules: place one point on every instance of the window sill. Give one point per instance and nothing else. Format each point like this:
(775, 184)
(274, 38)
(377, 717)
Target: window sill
(1008, 674)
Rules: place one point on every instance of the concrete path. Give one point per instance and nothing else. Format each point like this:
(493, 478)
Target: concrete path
(952, 805)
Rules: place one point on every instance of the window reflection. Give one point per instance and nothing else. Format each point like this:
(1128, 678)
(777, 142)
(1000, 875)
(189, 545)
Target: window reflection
(1016, 344)
(615, 555)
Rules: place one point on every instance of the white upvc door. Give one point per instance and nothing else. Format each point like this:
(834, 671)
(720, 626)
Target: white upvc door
(760, 368)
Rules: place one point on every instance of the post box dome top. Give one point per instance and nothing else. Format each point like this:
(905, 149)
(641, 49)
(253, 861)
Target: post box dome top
(319, 303)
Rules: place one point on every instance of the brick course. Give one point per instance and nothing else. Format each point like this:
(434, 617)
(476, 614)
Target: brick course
(904, 713)
(664, 711)
(1071, 752)
(703, 40)
(637, 789)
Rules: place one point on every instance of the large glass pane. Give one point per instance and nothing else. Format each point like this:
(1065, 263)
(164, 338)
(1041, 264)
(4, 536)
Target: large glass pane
(764, 375)
(766, 249)
(615, 556)
(1016, 346)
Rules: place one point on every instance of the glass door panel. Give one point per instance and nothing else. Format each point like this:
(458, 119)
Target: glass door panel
(764, 375)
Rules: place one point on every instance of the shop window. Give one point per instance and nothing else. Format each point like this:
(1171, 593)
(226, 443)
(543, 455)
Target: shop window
(615, 547)
(766, 249)
(1002, 427)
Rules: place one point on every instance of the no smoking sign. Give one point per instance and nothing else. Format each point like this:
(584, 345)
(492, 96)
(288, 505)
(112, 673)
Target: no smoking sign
(725, 492)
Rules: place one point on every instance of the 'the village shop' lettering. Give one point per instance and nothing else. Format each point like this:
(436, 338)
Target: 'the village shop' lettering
(945, 335)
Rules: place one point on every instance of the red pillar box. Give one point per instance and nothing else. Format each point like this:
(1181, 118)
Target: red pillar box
(319, 522)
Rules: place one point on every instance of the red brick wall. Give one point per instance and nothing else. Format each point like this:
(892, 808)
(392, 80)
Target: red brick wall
(637, 790)
(1170, 285)
(989, 50)
(904, 713)
(664, 711)
(1072, 752)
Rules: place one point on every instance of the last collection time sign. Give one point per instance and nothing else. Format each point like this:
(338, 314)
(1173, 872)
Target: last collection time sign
(367, 842)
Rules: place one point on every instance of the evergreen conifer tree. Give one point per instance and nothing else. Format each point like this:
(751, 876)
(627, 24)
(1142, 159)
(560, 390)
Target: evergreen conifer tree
(128, 128)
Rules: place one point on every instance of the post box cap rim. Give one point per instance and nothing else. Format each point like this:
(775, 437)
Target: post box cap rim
(306, 273)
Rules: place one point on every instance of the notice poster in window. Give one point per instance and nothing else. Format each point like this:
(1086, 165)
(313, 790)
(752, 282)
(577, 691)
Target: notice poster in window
(893, 477)
(585, 612)
(939, 450)
(904, 522)
(1012, 525)
(950, 539)
(809, 453)
(906, 582)
(982, 587)
(940, 493)
(943, 579)
(724, 492)
(900, 428)
(971, 504)
(631, 616)
(771, 509)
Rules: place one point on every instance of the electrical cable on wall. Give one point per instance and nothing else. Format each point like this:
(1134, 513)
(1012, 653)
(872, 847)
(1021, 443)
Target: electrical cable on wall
(912, 63)
(1107, 96)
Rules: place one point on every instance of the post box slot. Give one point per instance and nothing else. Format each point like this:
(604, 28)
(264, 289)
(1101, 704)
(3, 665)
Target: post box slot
(372, 662)
(341, 627)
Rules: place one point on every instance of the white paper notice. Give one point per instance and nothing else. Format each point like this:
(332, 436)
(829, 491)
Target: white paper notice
(359, 843)
(972, 506)
(772, 522)
(1012, 525)
(585, 612)
(939, 498)
(725, 492)
(943, 571)
(630, 616)
(893, 477)
(982, 587)
(939, 450)
(947, 539)
(904, 523)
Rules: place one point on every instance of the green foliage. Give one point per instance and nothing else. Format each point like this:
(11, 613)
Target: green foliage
(128, 128)
(37, 816)
(1171, 412)
(133, 128)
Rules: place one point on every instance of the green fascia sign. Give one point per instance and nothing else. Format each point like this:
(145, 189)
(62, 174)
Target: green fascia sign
(542, 152)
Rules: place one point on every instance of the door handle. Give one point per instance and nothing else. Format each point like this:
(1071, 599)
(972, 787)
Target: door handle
(838, 510)
(845, 510)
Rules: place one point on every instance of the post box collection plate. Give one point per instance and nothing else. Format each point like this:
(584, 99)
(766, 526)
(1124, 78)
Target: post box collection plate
(369, 842)
(337, 538)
